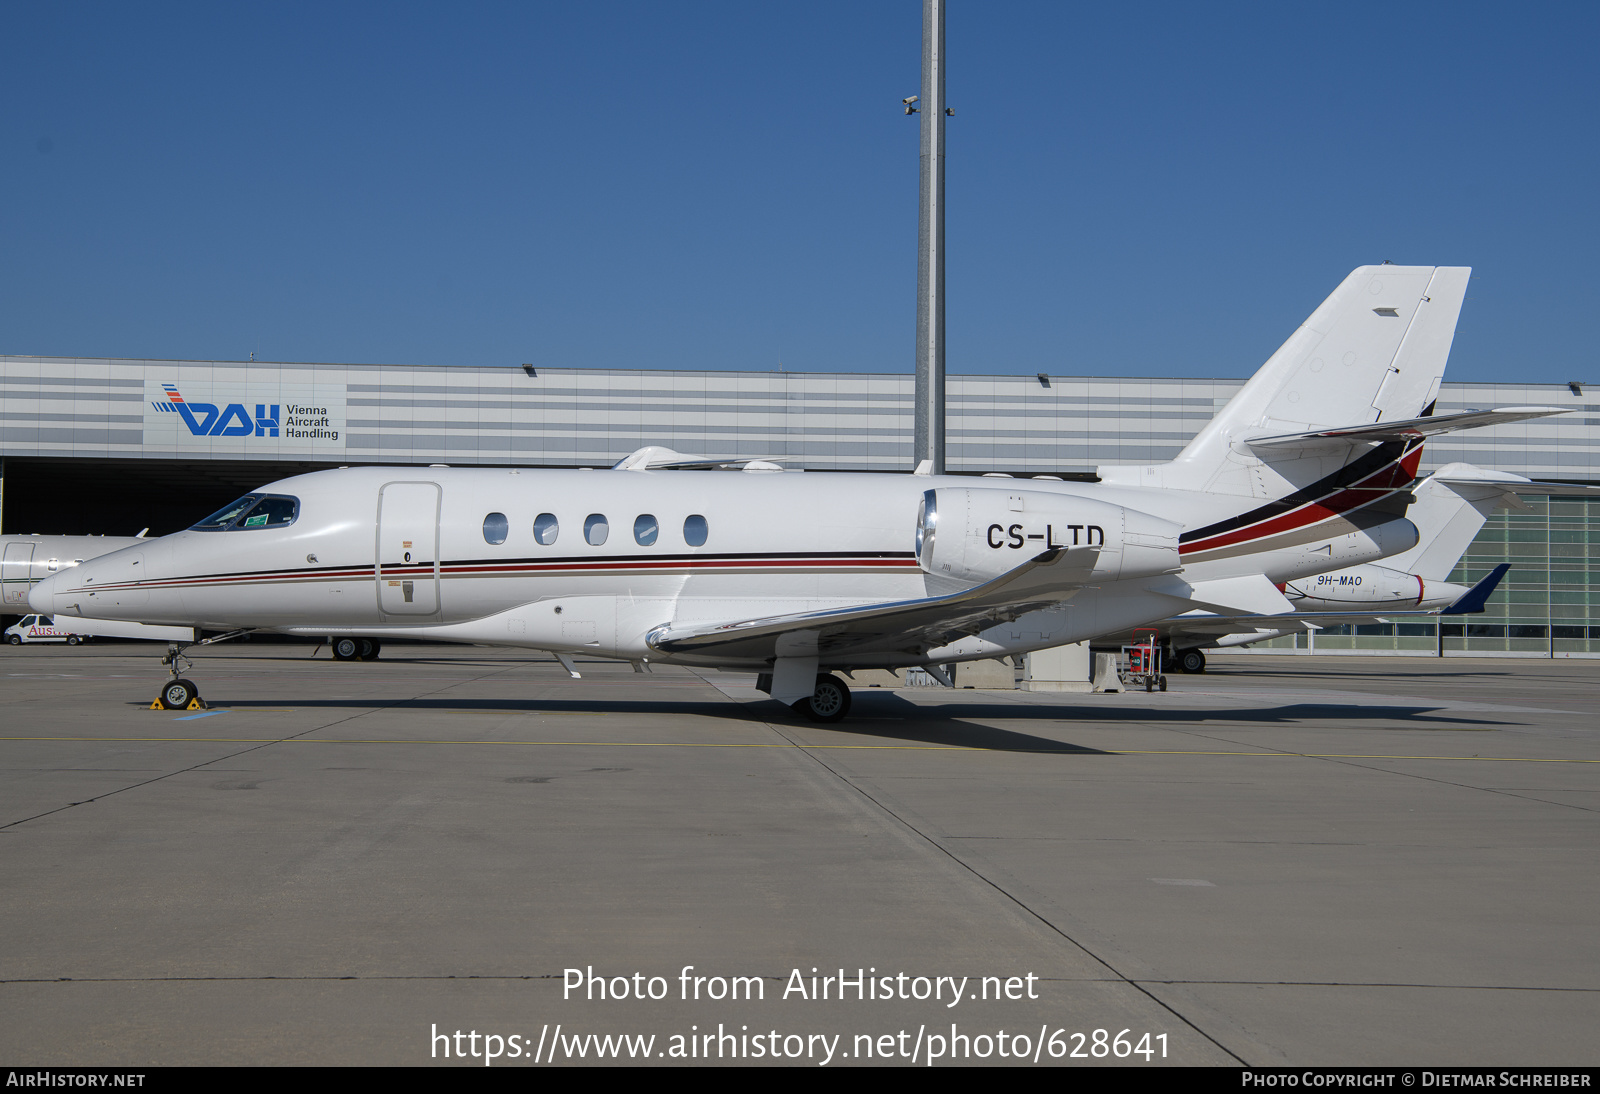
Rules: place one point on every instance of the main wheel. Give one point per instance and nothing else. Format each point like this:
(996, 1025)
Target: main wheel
(178, 694)
(1192, 661)
(369, 649)
(346, 649)
(829, 703)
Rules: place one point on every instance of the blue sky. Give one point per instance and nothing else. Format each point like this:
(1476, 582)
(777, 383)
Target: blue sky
(1144, 190)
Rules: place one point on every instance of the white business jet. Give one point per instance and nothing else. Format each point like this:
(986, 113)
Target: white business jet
(793, 574)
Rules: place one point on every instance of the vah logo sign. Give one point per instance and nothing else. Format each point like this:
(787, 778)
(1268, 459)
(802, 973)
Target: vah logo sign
(205, 420)
(240, 417)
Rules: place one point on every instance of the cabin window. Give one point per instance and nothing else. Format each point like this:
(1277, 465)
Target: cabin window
(694, 531)
(546, 528)
(645, 530)
(495, 527)
(595, 529)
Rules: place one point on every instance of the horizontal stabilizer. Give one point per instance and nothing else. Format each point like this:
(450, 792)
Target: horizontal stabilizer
(1409, 430)
(1252, 594)
(1515, 484)
(1472, 601)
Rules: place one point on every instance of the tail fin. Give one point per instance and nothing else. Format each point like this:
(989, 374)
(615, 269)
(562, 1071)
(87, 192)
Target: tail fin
(1472, 601)
(1447, 518)
(1374, 351)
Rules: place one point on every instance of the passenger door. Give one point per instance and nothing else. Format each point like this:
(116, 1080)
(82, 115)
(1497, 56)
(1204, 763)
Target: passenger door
(15, 575)
(408, 549)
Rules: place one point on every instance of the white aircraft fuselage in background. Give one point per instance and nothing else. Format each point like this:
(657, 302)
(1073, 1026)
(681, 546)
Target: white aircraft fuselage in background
(27, 560)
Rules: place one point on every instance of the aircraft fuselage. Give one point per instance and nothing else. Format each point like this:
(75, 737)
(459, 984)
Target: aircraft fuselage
(593, 561)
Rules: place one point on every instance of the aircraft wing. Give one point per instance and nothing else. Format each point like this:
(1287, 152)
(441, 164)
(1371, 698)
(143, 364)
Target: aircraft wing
(908, 625)
(1409, 429)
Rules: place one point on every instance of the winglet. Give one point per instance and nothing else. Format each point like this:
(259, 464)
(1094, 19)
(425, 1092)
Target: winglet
(1472, 601)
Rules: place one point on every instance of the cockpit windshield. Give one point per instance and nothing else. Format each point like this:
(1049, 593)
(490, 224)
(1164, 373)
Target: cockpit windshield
(252, 511)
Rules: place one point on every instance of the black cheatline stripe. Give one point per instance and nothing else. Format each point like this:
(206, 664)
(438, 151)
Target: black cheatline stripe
(1386, 453)
(368, 568)
(794, 556)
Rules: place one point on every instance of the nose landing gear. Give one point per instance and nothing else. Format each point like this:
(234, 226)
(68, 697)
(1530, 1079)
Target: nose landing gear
(178, 693)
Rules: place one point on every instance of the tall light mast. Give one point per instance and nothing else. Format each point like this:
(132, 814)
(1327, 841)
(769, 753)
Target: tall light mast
(929, 433)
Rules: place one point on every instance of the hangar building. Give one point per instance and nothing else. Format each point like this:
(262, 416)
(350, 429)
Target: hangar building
(110, 446)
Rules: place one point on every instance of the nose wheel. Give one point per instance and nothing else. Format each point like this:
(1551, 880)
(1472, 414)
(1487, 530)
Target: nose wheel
(180, 694)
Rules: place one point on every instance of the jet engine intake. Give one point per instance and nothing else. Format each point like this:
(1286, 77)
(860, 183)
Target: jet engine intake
(976, 535)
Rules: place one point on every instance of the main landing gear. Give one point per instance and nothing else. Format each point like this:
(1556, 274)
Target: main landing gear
(1191, 661)
(829, 703)
(356, 649)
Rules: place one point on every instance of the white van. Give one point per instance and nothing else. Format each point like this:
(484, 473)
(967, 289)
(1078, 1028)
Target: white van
(41, 628)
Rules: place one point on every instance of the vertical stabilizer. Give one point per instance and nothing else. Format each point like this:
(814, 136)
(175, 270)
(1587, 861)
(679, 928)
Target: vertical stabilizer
(1450, 515)
(1374, 351)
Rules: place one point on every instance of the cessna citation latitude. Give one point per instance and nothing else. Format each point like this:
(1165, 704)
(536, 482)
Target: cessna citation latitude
(1308, 468)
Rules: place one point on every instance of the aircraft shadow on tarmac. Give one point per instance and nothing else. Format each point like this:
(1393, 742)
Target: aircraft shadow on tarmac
(884, 715)
(1362, 715)
(941, 726)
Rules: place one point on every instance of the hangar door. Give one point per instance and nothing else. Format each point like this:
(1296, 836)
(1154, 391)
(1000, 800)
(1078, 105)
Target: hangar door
(408, 548)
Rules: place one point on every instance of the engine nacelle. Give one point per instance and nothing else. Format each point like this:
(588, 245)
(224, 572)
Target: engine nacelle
(1370, 587)
(976, 535)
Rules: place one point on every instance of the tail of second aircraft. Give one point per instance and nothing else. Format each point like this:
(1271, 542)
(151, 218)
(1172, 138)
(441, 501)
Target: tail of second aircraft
(1448, 516)
(1374, 352)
